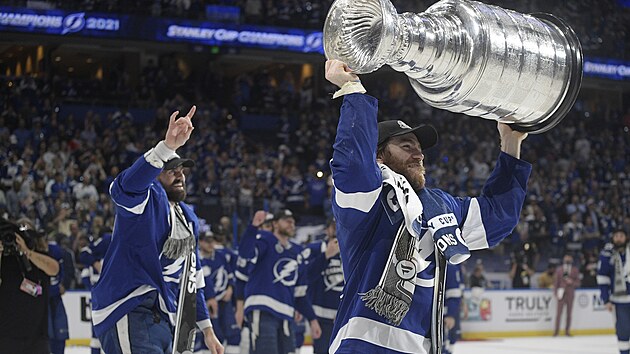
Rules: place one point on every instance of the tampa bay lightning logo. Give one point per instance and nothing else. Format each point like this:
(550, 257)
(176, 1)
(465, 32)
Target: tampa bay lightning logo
(220, 279)
(333, 276)
(313, 42)
(392, 201)
(73, 23)
(285, 271)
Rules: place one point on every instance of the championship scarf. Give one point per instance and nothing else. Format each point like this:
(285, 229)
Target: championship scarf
(392, 297)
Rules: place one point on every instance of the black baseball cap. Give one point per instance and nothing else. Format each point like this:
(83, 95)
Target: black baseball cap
(178, 161)
(283, 213)
(268, 218)
(206, 236)
(426, 134)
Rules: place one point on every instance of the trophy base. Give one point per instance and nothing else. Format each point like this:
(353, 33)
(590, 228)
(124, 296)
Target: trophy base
(573, 86)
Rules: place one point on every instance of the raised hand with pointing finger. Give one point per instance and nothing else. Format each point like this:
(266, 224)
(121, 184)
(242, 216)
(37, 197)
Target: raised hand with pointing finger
(179, 129)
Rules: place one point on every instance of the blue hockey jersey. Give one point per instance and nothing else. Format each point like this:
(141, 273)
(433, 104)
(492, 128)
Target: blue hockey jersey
(134, 265)
(606, 276)
(454, 290)
(217, 271)
(241, 267)
(367, 222)
(90, 254)
(277, 283)
(325, 282)
(56, 252)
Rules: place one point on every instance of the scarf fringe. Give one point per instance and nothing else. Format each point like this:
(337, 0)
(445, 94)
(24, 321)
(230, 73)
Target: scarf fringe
(175, 248)
(386, 305)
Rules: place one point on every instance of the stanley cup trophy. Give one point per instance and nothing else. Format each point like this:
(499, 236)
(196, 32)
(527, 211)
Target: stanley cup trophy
(466, 57)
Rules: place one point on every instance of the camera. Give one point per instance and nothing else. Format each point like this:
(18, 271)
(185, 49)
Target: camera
(8, 230)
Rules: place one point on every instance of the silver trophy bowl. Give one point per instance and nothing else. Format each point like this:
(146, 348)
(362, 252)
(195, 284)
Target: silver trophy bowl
(466, 57)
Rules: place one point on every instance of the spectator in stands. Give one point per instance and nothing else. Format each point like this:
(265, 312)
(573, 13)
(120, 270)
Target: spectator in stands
(546, 279)
(520, 272)
(477, 278)
(589, 271)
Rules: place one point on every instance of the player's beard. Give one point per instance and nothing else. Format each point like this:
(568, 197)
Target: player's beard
(620, 245)
(176, 194)
(412, 170)
(286, 232)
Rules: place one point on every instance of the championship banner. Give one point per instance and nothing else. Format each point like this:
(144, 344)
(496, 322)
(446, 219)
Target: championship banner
(101, 25)
(607, 68)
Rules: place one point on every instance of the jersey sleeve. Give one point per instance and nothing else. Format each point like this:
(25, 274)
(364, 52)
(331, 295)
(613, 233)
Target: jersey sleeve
(252, 245)
(454, 290)
(315, 267)
(130, 189)
(302, 301)
(86, 257)
(202, 309)
(490, 217)
(605, 272)
(356, 176)
(241, 276)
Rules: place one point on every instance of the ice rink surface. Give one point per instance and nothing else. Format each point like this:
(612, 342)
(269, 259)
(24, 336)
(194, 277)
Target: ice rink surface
(540, 345)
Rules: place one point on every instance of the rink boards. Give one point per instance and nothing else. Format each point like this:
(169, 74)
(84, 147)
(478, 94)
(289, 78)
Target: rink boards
(530, 312)
(491, 313)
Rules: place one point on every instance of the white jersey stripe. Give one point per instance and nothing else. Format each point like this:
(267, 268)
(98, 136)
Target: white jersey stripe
(426, 283)
(323, 312)
(199, 279)
(241, 276)
(122, 330)
(138, 209)
(99, 316)
(473, 231)
(603, 280)
(620, 299)
(263, 300)
(171, 315)
(362, 201)
(300, 290)
(455, 292)
(382, 335)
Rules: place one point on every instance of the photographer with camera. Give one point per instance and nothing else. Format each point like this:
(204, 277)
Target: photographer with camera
(24, 284)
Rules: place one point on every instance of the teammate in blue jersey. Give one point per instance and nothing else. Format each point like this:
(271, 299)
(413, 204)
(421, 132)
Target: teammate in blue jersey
(452, 304)
(91, 256)
(325, 283)
(612, 278)
(218, 270)
(276, 286)
(388, 224)
(241, 276)
(57, 318)
(135, 302)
